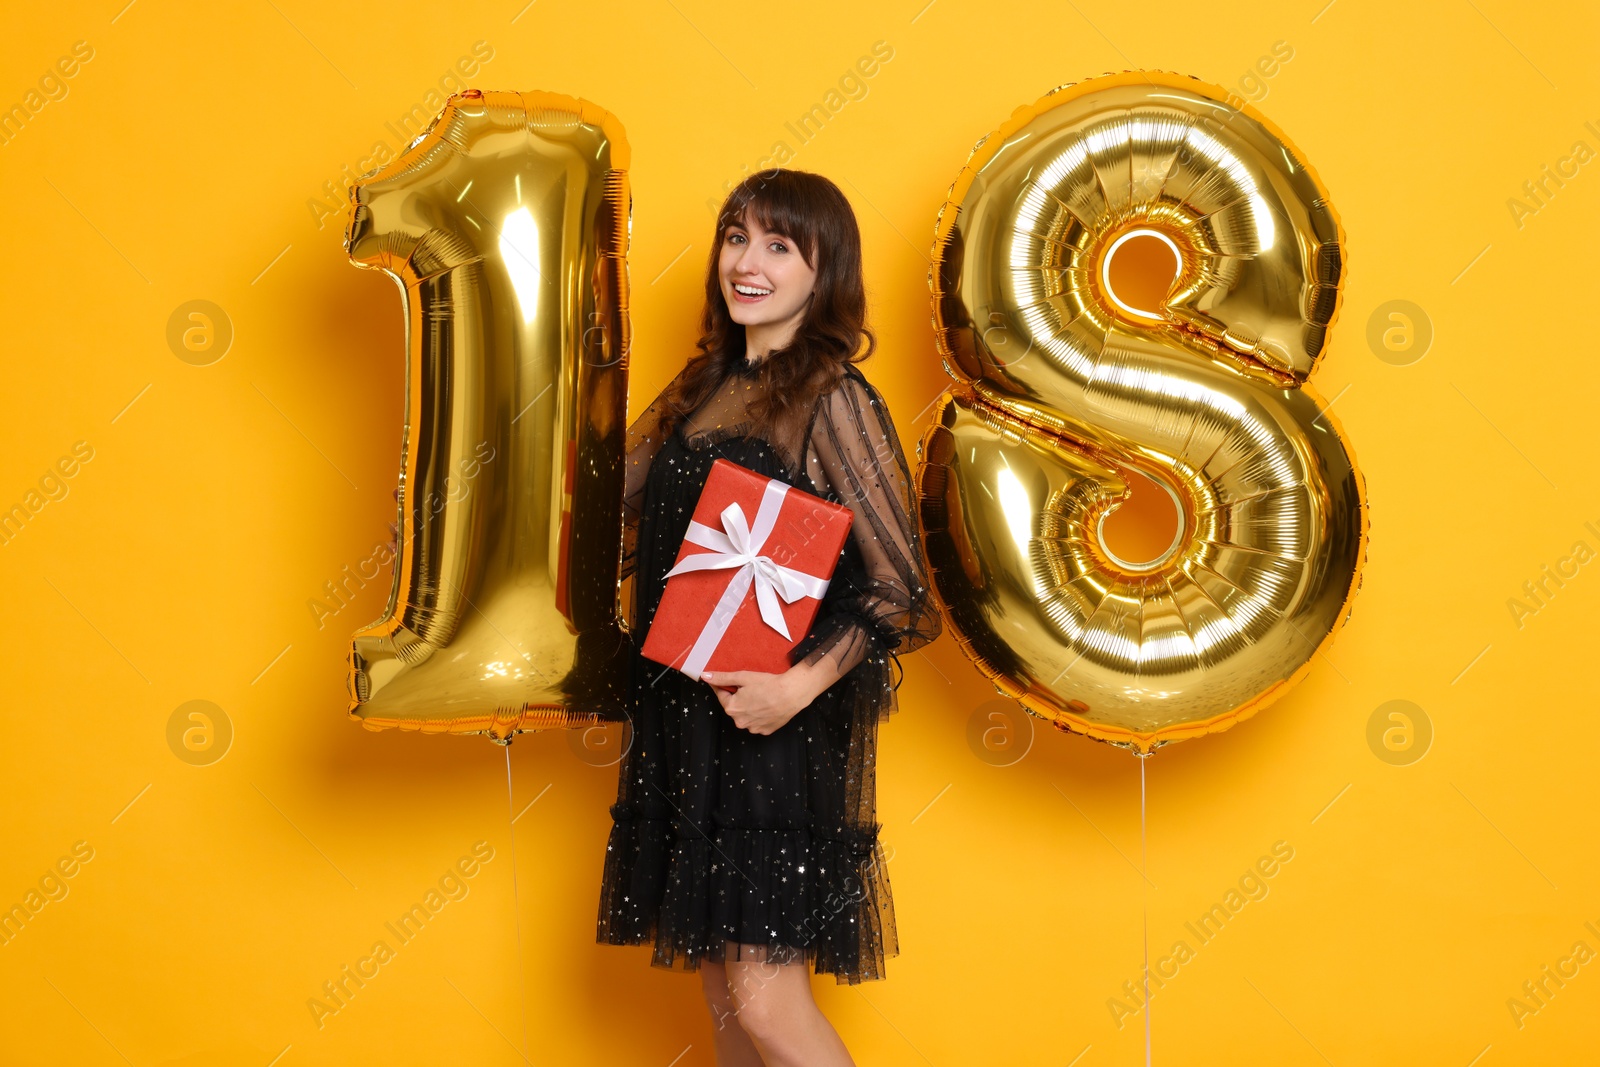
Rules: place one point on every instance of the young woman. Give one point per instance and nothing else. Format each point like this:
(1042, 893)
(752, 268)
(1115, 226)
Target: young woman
(744, 842)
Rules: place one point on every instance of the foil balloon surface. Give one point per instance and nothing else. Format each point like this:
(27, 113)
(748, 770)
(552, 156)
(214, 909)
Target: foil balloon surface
(506, 227)
(1134, 281)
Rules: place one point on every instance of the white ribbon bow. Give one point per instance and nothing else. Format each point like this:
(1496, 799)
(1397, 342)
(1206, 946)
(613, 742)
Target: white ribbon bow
(739, 544)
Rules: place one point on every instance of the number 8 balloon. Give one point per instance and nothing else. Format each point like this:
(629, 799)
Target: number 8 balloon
(506, 226)
(1133, 282)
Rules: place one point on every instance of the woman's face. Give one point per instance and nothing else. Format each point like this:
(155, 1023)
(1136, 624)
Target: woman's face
(765, 279)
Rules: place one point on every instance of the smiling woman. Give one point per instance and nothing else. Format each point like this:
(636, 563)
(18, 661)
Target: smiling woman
(793, 230)
(766, 283)
(745, 838)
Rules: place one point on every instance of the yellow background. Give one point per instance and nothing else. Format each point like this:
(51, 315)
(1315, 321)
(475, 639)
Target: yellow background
(180, 564)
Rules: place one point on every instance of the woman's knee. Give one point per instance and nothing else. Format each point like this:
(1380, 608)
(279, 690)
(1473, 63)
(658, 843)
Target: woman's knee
(719, 1001)
(767, 996)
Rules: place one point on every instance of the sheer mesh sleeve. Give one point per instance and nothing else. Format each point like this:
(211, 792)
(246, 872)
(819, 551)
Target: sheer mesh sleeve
(855, 454)
(643, 442)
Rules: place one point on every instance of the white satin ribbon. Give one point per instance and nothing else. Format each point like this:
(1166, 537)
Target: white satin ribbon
(739, 544)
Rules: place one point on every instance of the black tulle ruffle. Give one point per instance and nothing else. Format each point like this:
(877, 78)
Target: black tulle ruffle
(782, 894)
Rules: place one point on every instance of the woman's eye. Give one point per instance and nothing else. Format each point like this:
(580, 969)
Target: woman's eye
(778, 246)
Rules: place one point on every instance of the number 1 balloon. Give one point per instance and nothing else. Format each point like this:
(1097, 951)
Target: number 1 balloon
(1133, 284)
(506, 226)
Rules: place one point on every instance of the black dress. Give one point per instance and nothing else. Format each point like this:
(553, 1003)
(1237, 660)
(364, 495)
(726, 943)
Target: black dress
(728, 845)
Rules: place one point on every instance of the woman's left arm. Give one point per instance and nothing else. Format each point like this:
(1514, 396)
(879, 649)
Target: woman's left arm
(855, 452)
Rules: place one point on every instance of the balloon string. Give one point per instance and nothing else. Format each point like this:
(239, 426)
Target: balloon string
(1144, 866)
(516, 902)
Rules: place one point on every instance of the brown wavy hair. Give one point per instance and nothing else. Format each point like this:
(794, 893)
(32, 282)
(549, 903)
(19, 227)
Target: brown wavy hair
(812, 212)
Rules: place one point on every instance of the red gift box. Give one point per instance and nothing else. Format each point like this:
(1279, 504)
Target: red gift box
(750, 576)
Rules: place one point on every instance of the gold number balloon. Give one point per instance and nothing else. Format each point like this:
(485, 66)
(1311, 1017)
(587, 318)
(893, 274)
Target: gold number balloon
(1134, 281)
(506, 226)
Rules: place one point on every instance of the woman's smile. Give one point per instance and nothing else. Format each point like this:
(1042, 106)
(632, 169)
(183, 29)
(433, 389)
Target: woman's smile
(750, 294)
